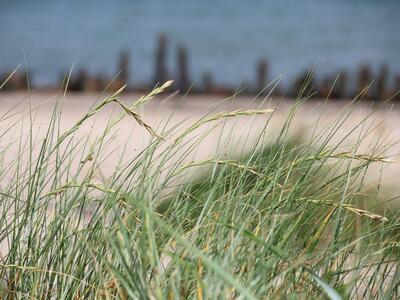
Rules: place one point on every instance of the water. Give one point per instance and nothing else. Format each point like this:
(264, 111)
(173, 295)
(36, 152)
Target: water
(225, 37)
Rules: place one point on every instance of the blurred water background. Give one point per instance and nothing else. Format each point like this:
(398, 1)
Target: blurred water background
(224, 37)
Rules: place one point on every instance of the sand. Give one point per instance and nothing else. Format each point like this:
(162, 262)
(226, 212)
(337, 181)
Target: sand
(380, 129)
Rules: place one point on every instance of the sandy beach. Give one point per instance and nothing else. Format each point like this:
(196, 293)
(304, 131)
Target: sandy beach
(312, 120)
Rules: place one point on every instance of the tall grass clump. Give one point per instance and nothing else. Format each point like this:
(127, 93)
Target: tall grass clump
(288, 218)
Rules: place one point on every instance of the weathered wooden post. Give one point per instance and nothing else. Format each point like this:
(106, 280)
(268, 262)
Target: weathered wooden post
(100, 82)
(5, 82)
(397, 87)
(78, 83)
(262, 75)
(381, 83)
(63, 80)
(123, 66)
(303, 85)
(25, 79)
(18, 81)
(341, 85)
(364, 79)
(183, 74)
(325, 87)
(160, 72)
(339, 88)
(208, 85)
(3, 79)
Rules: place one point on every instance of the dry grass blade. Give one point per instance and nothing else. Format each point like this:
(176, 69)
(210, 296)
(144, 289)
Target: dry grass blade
(237, 113)
(110, 99)
(219, 162)
(365, 213)
(154, 92)
(88, 115)
(349, 207)
(223, 115)
(130, 112)
(79, 185)
(41, 270)
(363, 157)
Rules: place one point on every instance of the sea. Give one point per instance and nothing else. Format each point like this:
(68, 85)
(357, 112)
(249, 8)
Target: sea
(223, 37)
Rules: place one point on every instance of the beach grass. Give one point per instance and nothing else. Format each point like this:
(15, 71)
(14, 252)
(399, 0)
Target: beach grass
(284, 219)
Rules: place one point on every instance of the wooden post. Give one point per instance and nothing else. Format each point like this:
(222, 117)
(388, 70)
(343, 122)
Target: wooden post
(262, 75)
(183, 75)
(302, 86)
(160, 72)
(381, 83)
(123, 66)
(100, 82)
(324, 87)
(364, 79)
(335, 85)
(208, 86)
(339, 90)
(78, 83)
(397, 87)
(18, 81)
(341, 86)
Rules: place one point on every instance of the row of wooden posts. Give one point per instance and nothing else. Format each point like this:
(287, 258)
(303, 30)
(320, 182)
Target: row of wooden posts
(336, 86)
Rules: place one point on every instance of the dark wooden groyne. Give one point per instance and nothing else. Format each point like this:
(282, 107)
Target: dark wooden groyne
(379, 85)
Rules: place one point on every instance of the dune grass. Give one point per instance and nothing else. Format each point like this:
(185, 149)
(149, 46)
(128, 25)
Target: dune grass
(288, 219)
